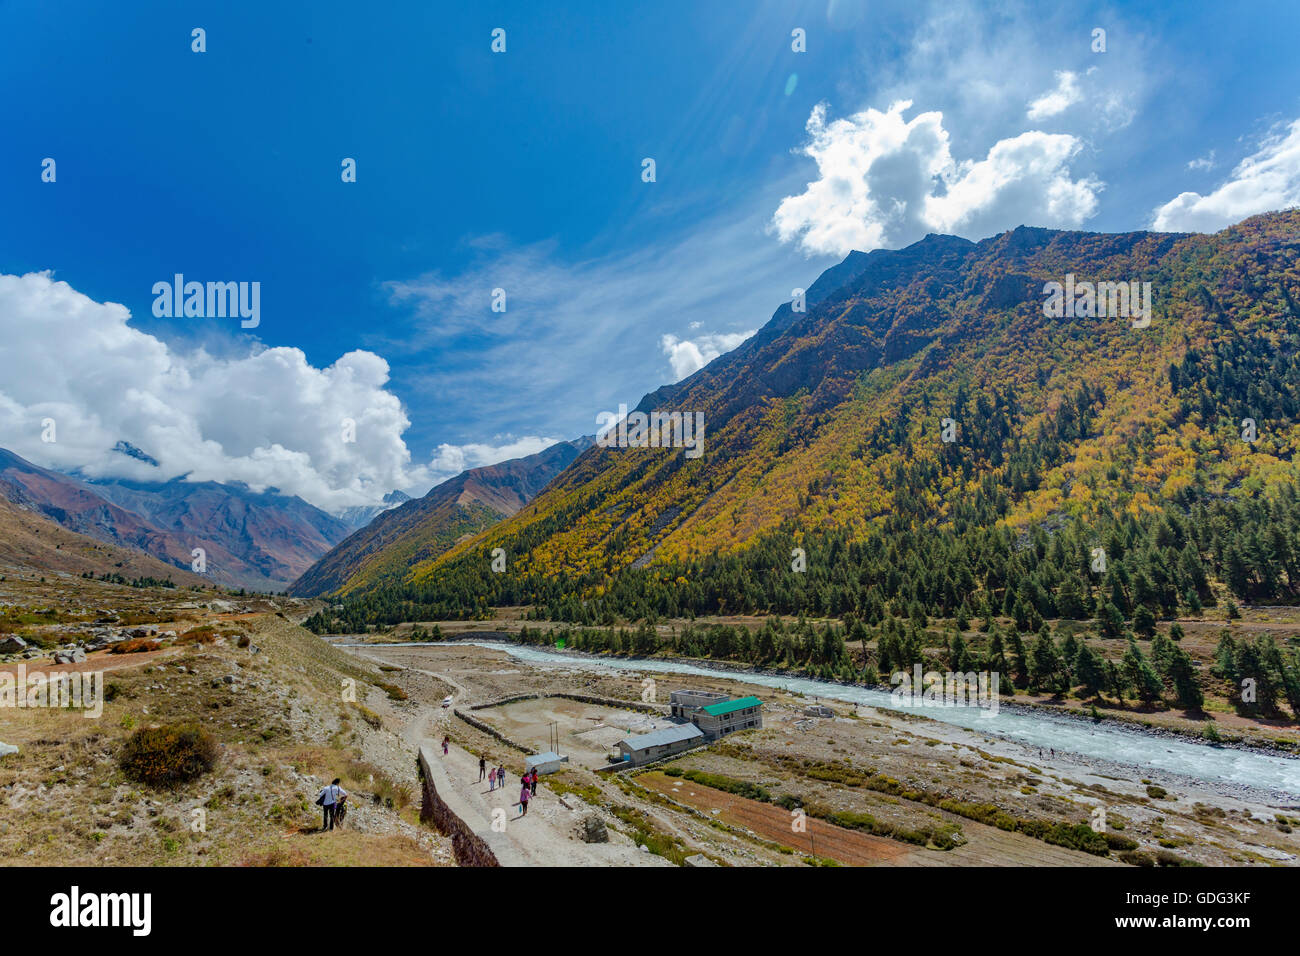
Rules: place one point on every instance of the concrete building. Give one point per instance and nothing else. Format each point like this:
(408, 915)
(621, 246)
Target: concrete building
(660, 743)
(685, 703)
(728, 716)
(549, 762)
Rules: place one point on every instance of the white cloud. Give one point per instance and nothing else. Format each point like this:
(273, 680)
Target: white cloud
(1265, 181)
(1057, 100)
(687, 356)
(1202, 162)
(980, 65)
(267, 417)
(573, 340)
(887, 181)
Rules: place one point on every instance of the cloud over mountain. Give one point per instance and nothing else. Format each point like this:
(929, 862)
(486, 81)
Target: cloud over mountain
(885, 181)
(267, 418)
(1265, 181)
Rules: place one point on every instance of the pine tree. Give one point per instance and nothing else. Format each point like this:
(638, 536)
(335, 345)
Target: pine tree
(1089, 671)
(1046, 669)
(1141, 675)
(1019, 661)
(1182, 674)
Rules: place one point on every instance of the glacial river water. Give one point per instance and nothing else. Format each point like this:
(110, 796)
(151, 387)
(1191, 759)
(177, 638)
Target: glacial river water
(1107, 741)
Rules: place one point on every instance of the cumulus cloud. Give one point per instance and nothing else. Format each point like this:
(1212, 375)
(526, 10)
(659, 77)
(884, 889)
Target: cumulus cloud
(267, 418)
(1057, 100)
(687, 356)
(1265, 181)
(886, 181)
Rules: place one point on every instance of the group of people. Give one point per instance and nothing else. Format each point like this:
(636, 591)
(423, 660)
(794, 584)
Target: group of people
(495, 778)
(527, 790)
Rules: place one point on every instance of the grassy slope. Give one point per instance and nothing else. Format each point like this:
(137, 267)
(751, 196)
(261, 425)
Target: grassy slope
(283, 730)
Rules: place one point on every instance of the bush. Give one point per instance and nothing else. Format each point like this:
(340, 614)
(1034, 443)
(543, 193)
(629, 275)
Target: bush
(137, 645)
(167, 756)
(1122, 843)
(1137, 858)
(205, 634)
(741, 788)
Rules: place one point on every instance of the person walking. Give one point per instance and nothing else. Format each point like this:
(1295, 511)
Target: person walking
(533, 783)
(501, 777)
(445, 742)
(524, 797)
(329, 800)
(482, 768)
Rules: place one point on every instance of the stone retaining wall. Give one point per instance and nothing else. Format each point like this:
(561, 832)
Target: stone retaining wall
(468, 847)
(636, 705)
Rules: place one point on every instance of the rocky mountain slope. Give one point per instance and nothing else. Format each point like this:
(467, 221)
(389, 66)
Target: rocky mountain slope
(253, 540)
(832, 427)
(420, 530)
(30, 541)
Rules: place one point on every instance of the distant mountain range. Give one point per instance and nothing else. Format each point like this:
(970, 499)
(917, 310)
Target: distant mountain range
(415, 533)
(30, 540)
(359, 516)
(260, 541)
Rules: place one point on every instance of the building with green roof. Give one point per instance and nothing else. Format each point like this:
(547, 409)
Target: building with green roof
(728, 716)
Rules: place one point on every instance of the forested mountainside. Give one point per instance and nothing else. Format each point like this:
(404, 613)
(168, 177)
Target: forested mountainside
(1098, 469)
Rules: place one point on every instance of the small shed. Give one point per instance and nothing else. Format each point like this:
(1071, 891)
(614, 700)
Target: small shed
(548, 762)
(818, 710)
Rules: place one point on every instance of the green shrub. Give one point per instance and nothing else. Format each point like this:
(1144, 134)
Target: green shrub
(1137, 858)
(168, 756)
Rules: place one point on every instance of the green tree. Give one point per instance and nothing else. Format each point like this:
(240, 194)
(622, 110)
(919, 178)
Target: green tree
(1142, 677)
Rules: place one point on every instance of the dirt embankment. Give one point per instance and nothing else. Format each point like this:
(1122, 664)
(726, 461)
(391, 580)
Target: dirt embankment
(288, 714)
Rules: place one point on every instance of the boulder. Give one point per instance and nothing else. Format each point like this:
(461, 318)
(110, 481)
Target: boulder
(6, 749)
(73, 655)
(13, 644)
(591, 829)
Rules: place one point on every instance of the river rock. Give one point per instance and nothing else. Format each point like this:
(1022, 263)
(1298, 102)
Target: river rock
(13, 644)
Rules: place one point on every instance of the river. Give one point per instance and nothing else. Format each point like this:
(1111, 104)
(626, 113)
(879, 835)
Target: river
(1105, 741)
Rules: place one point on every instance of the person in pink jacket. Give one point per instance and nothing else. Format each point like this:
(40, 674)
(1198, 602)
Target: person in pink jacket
(524, 797)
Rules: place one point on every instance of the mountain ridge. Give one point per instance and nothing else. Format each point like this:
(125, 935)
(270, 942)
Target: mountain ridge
(829, 422)
(421, 528)
(260, 541)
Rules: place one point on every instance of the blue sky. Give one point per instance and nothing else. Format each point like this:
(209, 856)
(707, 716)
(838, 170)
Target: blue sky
(522, 170)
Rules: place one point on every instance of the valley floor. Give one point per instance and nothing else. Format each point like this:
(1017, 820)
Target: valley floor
(290, 711)
(887, 776)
